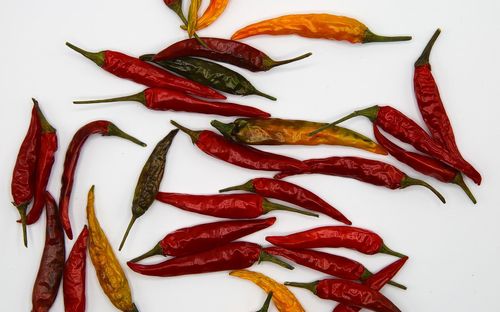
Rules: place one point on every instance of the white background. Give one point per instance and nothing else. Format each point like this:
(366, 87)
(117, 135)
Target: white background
(454, 248)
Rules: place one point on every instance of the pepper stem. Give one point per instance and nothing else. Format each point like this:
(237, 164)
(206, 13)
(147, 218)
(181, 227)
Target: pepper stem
(264, 256)
(372, 37)
(309, 286)
(386, 250)
(408, 181)
(177, 8)
(270, 206)
(113, 130)
(398, 285)
(424, 57)
(155, 251)
(274, 63)
(225, 129)
(267, 96)
(459, 180)
(22, 212)
(139, 97)
(132, 221)
(247, 186)
(265, 307)
(96, 57)
(195, 135)
(46, 126)
(370, 113)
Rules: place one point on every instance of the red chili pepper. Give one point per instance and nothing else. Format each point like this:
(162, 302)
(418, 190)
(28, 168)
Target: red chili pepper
(291, 193)
(166, 99)
(51, 267)
(102, 127)
(232, 256)
(190, 240)
(74, 275)
(232, 206)
(224, 50)
(127, 67)
(350, 237)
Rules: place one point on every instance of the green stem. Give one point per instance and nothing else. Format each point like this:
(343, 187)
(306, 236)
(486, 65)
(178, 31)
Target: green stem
(178, 11)
(195, 135)
(132, 221)
(409, 181)
(367, 274)
(22, 212)
(155, 251)
(459, 180)
(264, 256)
(270, 206)
(139, 97)
(113, 130)
(370, 113)
(267, 96)
(372, 37)
(96, 57)
(309, 286)
(398, 285)
(424, 57)
(265, 307)
(247, 186)
(272, 63)
(386, 250)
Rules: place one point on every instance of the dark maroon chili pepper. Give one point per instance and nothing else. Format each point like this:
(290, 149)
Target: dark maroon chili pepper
(127, 67)
(51, 267)
(224, 50)
(102, 127)
(291, 193)
(74, 274)
(203, 237)
(232, 256)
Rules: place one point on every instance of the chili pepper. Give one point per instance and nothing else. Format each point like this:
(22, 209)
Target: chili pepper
(283, 298)
(232, 206)
(108, 270)
(232, 256)
(355, 238)
(275, 131)
(165, 99)
(194, 7)
(51, 267)
(203, 237)
(74, 275)
(102, 127)
(176, 6)
(149, 180)
(425, 164)
(240, 155)
(291, 193)
(223, 50)
(23, 176)
(210, 74)
(367, 170)
(405, 129)
(214, 10)
(127, 67)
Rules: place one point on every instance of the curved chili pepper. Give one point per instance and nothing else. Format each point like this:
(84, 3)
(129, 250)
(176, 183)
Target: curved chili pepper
(74, 274)
(203, 237)
(127, 67)
(223, 50)
(291, 193)
(102, 127)
(265, 307)
(355, 238)
(232, 256)
(149, 180)
(110, 274)
(326, 26)
(241, 155)
(194, 7)
(51, 267)
(165, 99)
(176, 6)
(213, 11)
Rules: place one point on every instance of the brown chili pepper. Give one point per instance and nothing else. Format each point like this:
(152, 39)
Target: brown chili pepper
(74, 274)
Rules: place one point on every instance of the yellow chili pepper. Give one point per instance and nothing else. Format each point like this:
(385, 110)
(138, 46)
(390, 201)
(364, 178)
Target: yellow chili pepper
(194, 7)
(325, 26)
(109, 272)
(283, 299)
(214, 10)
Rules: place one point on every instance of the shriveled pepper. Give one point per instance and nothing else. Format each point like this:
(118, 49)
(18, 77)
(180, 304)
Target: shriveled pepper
(74, 279)
(194, 7)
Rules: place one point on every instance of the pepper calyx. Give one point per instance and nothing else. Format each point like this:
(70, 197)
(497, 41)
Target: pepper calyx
(247, 186)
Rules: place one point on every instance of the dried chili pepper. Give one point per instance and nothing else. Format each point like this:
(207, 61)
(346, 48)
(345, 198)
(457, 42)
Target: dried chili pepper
(194, 7)
(232, 256)
(291, 193)
(265, 307)
(102, 127)
(165, 99)
(203, 237)
(74, 274)
(149, 180)
(367, 170)
(223, 50)
(127, 67)
(176, 6)
(355, 238)
(240, 155)
(213, 11)
(326, 26)
(232, 206)
(51, 267)
(108, 270)
(210, 74)
(275, 131)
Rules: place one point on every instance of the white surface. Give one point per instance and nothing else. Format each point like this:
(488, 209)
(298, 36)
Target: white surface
(454, 248)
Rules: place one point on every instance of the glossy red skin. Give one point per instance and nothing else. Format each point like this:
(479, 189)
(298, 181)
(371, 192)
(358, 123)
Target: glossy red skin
(51, 267)
(207, 236)
(74, 275)
(232, 256)
(167, 99)
(350, 237)
(132, 68)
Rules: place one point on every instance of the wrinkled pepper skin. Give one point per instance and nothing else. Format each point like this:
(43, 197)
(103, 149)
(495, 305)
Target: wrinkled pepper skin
(212, 13)
(74, 278)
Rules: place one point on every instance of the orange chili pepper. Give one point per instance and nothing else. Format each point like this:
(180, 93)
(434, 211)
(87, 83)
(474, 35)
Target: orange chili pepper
(214, 10)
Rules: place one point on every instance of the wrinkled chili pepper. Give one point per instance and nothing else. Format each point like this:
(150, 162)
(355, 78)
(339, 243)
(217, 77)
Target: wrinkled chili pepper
(350, 237)
(165, 99)
(291, 193)
(232, 256)
(265, 306)
(74, 279)
(127, 67)
(203, 237)
(210, 74)
(194, 7)
(367, 170)
(275, 131)
(102, 127)
(223, 50)
(241, 155)
(176, 6)
(149, 180)
(51, 267)
(325, 26)
(110, 274)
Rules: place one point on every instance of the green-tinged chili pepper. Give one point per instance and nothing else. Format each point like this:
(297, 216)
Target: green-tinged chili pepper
(176, 6)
